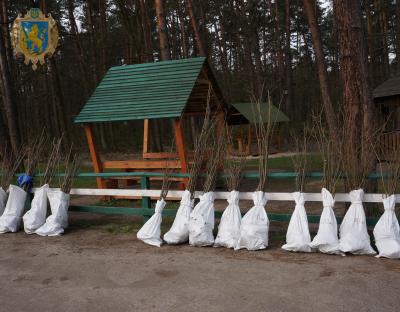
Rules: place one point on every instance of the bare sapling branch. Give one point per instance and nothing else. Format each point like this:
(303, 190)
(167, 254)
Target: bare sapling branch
(166, 182)
(264, 130)
(72, 164)
(299, 159)
(330, 151)
(34, 150)
(217, 150)
(52, 161)
(356, 156)
(389, 167)
(233, 166)
(200, 145)
(10, 164)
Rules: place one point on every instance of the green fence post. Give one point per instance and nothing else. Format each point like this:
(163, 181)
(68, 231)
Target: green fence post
(146, 203)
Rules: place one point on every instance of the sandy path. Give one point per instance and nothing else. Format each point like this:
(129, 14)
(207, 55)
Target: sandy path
(90, 269)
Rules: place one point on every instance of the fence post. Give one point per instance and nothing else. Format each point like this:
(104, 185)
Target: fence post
(146, 203)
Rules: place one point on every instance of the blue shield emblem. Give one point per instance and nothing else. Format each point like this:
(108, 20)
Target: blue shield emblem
(34, 36)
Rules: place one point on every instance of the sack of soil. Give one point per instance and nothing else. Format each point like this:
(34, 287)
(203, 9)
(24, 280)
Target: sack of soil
(201, 222)
(229, 225)
(326, 240)
(10, 220)
(255, 225)
(150, 233)
(298, 235)
(354, 236)
(179, 231)
(36, 216)
(3, 200)
(57, 222)
(387, 231)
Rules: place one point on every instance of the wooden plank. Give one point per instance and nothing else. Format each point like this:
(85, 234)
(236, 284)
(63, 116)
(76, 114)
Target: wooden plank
(274, 196)
(160, 155)
(180, 147)
(94, 156)
(141, 164)
(145, 136)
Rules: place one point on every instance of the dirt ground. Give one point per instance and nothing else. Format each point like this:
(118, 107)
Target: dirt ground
(99, 265)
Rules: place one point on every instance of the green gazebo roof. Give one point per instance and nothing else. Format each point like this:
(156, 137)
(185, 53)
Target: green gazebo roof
(268, 112)
(143, 91)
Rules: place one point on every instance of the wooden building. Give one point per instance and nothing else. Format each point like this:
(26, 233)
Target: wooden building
(387, 98)
(244, 116)
(163, 90)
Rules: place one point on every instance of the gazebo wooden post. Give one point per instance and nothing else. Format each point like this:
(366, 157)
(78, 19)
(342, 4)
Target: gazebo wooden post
(180, 147)
(145, 137)
(249, 139)
(97, 165)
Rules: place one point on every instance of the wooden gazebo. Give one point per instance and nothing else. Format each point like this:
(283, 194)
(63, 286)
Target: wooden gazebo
(161, 90)
(387, 98)
(246, 115)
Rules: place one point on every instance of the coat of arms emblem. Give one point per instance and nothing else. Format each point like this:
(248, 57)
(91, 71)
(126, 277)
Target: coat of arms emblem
(34, 36)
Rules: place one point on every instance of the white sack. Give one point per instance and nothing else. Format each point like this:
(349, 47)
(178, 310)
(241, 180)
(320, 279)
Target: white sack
(36, 216)
(3, 200)
(10, 221)
(150, 233)
(298, 235)
(57, 222)
(255, 225)
(387, 231)
(327, 240)
(179, 231)
(354, 236)
(201, 222)
(229, 226)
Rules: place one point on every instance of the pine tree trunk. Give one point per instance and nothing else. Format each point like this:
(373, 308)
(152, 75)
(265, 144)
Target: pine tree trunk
(78, 47)
(398, 35)
(103, 36)
(288, 60)
(148, 43)
(7, 95)
(321, 65)
(6, 31)
(195, 26)
(184, 43)
(92, 52)
(357, 96)
(162, 30)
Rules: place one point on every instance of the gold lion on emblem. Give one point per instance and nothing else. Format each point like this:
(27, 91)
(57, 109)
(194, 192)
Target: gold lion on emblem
(34, 37)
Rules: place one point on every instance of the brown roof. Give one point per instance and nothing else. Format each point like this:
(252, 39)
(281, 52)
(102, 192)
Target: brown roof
(390, 87)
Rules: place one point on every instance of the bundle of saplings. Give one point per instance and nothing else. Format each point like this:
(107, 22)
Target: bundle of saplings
(201, 222)
(9, 167)
(255, 224)
(298, 235)
(358, 155)
(387, 230)
(11, 219)
(179, 231)
(150, 233)
(326, 240)
(229, 225)
(57, 222)
(35, 217)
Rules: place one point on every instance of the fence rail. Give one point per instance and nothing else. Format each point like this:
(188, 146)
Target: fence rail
(146, 194)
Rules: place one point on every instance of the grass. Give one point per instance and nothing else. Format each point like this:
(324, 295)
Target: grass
(285, 163)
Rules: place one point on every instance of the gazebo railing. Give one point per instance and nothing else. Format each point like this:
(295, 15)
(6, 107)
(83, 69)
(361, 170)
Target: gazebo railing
(390, 143)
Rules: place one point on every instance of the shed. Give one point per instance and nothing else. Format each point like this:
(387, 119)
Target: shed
(387, 98)
(161, 90)
(245, 114)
